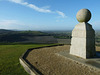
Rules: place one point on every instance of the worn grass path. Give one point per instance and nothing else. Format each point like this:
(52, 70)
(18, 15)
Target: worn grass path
(9, 58)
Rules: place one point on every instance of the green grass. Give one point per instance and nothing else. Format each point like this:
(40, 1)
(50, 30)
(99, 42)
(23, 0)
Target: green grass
(9, 58)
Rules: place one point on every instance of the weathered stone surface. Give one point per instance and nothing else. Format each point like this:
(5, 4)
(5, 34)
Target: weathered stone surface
(83, 41)
(57, 61)
(83, 36)
(83, 15)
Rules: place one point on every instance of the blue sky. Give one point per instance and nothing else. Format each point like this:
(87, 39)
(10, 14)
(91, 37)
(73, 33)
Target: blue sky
(46, 14)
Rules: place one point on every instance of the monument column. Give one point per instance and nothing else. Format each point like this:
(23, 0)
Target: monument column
(83, 36)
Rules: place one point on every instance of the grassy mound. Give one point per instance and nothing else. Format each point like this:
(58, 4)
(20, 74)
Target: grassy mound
(9, 58)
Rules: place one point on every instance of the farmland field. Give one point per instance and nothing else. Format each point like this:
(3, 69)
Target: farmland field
(9, 58)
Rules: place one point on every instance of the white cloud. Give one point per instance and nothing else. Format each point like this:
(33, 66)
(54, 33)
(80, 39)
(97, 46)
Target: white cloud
(17, 1)
(8, 22)
(31, 6)
(61, 14)
(44, 9)
(12, 24)
(24, 3)
(15, 24)
(39, 9)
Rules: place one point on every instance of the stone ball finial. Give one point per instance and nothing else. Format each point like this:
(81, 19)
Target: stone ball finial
(83, 15)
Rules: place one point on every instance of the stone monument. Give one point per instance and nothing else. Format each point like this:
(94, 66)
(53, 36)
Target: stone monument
(83, 36)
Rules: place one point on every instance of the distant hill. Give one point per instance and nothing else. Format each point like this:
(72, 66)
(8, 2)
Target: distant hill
(18, 36)
(5, 31)
(11, 36)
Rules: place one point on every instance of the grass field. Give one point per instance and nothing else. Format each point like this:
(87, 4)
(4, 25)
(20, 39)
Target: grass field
(9, 58)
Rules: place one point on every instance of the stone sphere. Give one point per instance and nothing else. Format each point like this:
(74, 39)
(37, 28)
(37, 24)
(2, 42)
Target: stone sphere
(83, 15)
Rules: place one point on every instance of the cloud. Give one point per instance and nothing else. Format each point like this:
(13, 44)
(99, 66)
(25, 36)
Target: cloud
(61, 14)
(44, 9)
(8, 22)
(16, 1)
(39, 9)
(12, 24)
(15, 24)
(31, 6)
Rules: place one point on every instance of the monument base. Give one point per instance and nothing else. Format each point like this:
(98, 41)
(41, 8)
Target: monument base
(91, 65)
(83, 41)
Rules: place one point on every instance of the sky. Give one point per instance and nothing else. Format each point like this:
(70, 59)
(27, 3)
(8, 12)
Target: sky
(46, 14)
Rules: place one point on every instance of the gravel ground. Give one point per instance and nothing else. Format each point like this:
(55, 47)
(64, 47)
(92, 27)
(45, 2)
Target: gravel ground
(48, 63)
